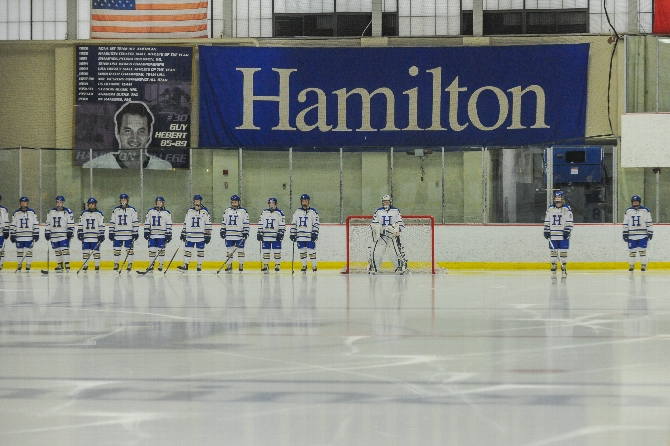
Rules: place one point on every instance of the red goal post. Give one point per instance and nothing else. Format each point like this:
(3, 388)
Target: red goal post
(417, 240)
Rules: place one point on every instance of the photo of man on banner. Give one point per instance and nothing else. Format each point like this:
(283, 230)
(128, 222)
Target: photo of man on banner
(133, 129)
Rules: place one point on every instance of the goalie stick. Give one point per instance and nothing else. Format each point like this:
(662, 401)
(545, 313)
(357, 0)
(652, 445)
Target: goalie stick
(227, 260)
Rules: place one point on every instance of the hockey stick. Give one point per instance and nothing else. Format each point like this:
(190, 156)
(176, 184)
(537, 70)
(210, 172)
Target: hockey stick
(150, 265)
(89, 257)
(292, 256)
(48, 249)
(170, 262)
(2, 251)
(400, 254)
(228, 259)
(25, 251)
(132, 244)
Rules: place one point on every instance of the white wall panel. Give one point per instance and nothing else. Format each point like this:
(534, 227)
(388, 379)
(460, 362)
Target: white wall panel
(61, 30)
(3, 15)
(38, 10)
(13, 31)
(389, 6)
(3, 30)
(61, 10)
(83, 11)
(266, 27)
(567, 4)
(423, 26)
(441, 25)
(255, 11)
(24, 30)
(646, 6)
(254, 27)
(404, 26)
(646, 22)
(242, 28)
(266, 9)
(454, 25)
(217, 10)
(516, 4)
(50, 31)
(404, 7)
(242, 11)
(13, 12)
(531, 4)
(38, 30)
(24, 10)
(595, 23)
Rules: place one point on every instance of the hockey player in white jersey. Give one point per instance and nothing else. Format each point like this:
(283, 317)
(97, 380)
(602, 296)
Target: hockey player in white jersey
(557, 229)
(91, 232)
(4, 231)
(638, 229)
(24, 231)
(305, 232)
(59, 231)
(386, 228)
(124, 230)
(197, 232)
(271, 229)
(235, 230)
(158, 232)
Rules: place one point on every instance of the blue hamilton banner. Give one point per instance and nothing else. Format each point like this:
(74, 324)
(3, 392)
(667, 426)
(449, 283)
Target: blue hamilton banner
(374, 97)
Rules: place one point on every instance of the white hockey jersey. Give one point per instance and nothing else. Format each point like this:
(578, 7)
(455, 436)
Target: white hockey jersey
(305, 221)
(637, 222)
(59, 223)
(4, 219)
(124, 223)
(235, 222)
(92, 224)
(196, 223)
(557, 220)
(159, 222)
(24, 225)
(388, 218)
(270, 223)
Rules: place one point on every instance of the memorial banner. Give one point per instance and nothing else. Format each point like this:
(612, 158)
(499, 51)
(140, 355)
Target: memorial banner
(132, 99)
(383, 97)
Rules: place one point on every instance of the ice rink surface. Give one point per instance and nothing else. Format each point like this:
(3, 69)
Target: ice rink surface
(479, 359)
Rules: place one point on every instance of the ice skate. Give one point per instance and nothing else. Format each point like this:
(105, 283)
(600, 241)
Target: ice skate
(304, 269)
(183, 267)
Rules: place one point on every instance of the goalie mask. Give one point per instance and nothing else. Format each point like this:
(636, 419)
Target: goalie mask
(386, 202)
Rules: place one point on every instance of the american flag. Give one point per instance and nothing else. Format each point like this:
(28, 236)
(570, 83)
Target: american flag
(142, 19)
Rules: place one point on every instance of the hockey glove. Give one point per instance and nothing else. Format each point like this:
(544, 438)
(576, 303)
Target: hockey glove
(292, 237)
(12, 238)
(80, 235)
(70, 233)
(566, 235)
(168, 237)
(111, 236)
(222, 233)
(5, 234)
(547, 234)
(650, 235)
(245, 235)
(625, 236)
(315, 236)
(208, 238)
(280, 236)
(147, 234)
(47, 235)
(259, 236)
(182, 236)
(36, 237)
(101, 238)
(135, 236)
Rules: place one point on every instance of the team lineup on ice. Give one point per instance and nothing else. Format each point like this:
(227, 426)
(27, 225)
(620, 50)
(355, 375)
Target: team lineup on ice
(385, 229)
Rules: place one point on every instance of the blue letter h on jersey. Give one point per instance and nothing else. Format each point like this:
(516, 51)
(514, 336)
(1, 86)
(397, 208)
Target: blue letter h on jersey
(232, 220)
(90, 223)
(123, 219)
(24, 223)
(303, 221)
(270, 223)
(635, 220)
(195, 222)
(386, 220)
(56, 222)
(557, 220)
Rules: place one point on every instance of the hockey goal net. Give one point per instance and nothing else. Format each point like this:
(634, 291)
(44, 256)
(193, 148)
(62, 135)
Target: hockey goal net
(417, 241)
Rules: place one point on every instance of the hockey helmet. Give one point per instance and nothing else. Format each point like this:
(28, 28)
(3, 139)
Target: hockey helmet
(272, 200)
(387, 198)
(159, 199)
(122, 196)
(60, 198)
(24, 199)
(197, 197)
(92, 200)
(558, 196)
(235, 198)
(636, 198)
(304, 197)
